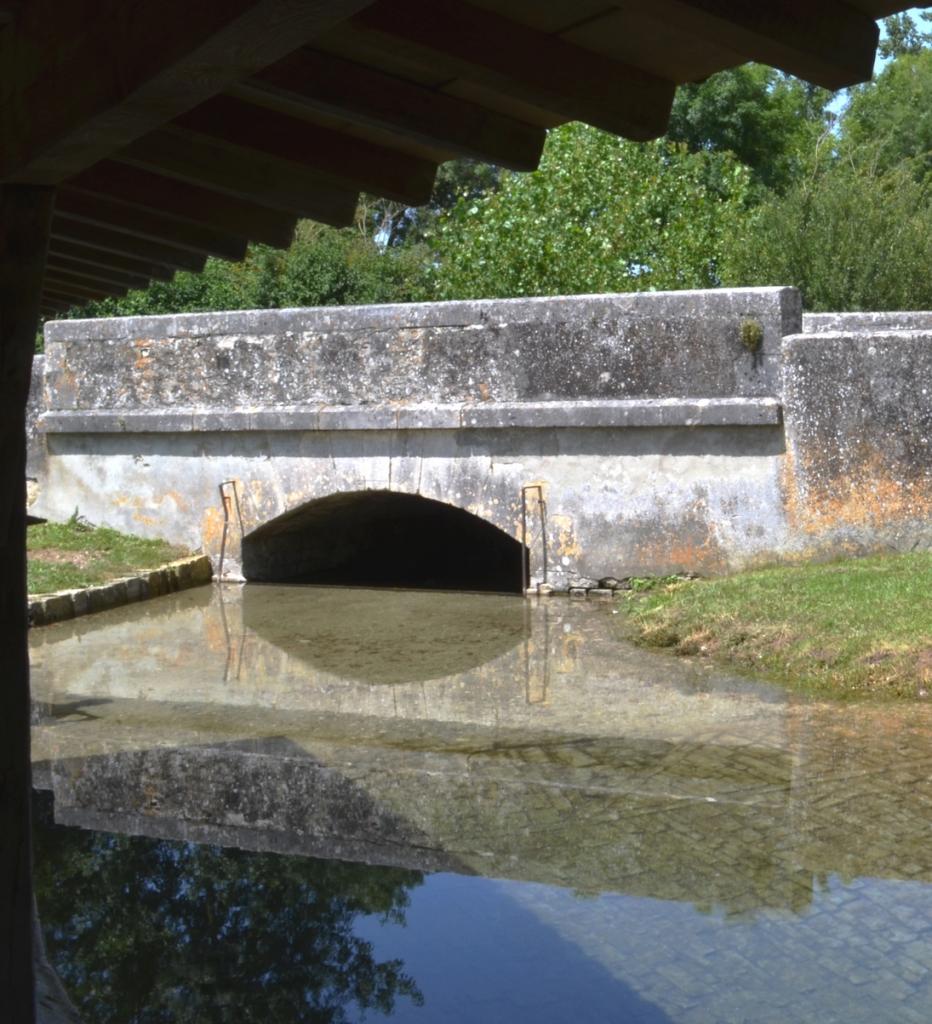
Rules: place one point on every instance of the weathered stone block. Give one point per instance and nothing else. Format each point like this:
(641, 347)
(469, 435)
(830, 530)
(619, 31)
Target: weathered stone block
(59, 607)
(859, 437)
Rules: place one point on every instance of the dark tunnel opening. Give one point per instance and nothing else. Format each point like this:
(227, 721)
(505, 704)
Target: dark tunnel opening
(385, 539)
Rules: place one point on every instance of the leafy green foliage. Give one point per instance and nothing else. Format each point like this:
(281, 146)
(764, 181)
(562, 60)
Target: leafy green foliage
(599, 215)
(902, 34)
(323, 267)
(890, 120)
(849, 236)
(768, 120)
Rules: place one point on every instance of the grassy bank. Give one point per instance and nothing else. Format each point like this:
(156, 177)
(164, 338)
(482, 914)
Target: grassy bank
(852, 628)
(64, 556)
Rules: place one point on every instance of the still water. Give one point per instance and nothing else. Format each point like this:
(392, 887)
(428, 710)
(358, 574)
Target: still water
(309, 804)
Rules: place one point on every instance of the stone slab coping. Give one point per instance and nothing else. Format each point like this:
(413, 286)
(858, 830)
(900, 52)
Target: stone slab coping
(44, 609)
(648, 412)
(860, 336)
(728, 302)
(909, 320)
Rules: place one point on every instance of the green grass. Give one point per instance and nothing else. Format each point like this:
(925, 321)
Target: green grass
(64, 556)
(852, 628)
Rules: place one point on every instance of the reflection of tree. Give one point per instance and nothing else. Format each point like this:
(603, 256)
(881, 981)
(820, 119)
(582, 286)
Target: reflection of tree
(148, 931)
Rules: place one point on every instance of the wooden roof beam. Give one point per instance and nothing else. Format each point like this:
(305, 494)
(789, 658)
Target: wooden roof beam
(79, 80)
(90, 236)
(329, 85)
(147, 224)
(64, 284)
(108, 260)
(85, 272)
(829, 43)
(187, 202)
(540, 70)
(339, 159)
(242, 173)
(59, 293)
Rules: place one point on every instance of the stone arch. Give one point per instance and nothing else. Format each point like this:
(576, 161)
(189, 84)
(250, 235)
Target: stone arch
(384, 538)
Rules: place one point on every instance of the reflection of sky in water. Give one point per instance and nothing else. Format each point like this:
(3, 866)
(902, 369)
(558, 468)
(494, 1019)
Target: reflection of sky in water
(501, 951)
(658, 842)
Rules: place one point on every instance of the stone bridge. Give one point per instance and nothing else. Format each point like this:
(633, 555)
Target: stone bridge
(488, 444)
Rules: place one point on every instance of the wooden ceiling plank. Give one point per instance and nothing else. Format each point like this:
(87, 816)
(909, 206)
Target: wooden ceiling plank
(541, 69)
(61, 294)
(241, 173)
(341, 159)
(90, 236)
(147, 224)
(87, 290)
(187, 202)
(85, 271)
(329, 85)
(50, 306)
(829, 43)
(108, 260)
(80, 80)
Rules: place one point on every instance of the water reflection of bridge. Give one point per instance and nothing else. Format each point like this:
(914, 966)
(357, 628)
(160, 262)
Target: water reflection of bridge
(561, 758)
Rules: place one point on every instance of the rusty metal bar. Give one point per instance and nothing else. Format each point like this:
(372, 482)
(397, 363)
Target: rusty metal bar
(227, 506)
(525, 549)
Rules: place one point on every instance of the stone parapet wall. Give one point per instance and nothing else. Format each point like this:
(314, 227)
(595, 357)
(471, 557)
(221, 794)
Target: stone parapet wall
(719, 344)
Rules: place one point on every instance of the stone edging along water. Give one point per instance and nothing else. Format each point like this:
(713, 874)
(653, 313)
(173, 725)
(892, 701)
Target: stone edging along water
(44, 609)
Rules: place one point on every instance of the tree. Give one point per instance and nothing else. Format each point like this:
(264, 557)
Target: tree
(599, 215)
(768, 120)
(902, 35)
(850, 236)
(889, 121)
(323, 267)
(394, 224)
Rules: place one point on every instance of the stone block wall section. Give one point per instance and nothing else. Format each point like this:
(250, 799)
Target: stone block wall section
(681, 432)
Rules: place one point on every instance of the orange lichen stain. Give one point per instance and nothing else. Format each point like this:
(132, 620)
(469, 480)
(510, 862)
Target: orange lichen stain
(871, 494)
(563, 536)
(688, 544)
(181, 503)
(570, 645)
(211, 528)
(143, 361)
(484, 392)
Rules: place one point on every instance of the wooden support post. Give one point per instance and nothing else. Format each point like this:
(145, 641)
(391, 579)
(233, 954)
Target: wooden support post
(25, 217)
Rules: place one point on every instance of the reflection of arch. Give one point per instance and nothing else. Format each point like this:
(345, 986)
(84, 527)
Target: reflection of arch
(383, 538)
(372, 637)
